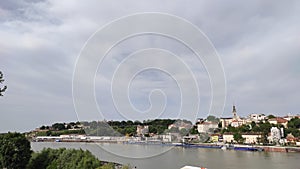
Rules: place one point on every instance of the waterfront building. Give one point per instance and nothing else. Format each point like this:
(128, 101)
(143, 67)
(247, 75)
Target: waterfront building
(250, 138)
(276, 135)
(214, 138)
(228, 138)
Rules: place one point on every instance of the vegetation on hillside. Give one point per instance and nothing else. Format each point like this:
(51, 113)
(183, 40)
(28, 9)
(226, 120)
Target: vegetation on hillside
(293, 127)
(111, 128)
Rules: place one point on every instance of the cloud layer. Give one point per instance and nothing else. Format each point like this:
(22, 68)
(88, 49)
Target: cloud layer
(258, 43)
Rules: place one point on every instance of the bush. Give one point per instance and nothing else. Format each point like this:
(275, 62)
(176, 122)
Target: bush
(63, 159)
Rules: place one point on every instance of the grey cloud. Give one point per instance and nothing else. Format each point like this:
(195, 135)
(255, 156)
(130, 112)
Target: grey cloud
(258, 42)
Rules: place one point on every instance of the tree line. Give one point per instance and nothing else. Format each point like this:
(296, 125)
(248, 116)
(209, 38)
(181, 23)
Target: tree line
(110, 128)
(15, 153)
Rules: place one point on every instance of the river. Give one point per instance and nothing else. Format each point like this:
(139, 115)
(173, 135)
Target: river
(165, 157)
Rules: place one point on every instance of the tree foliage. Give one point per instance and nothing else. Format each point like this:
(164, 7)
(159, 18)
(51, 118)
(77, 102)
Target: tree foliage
(238, 138)
(65, 159)
(58, 126)
(2, 90)
(14, 151)
(271, 116)
(294, 123)
(212, 118)
(293, 127)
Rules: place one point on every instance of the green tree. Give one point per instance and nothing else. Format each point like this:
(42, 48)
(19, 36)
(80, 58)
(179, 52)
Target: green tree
(294, 123)
(238, 138)
(271, 116)
(2, 90)
(58, 126)
(194, 130)
(14, 151)
(212, 118)
(63, 159)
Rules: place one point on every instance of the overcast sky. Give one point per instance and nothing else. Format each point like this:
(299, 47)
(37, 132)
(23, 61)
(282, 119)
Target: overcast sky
(258, 43)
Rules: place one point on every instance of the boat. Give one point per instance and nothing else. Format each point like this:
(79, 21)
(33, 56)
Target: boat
(247, 148)
(201, 146)
(192, 167)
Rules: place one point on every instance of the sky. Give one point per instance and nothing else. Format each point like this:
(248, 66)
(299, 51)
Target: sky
(258, 44)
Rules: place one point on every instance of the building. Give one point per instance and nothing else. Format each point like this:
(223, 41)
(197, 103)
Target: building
(257, 117)
(235, 121)
(228, 138)
(276, 135)
(235, 116)
(214, 138)
(251, 138)
(279, 120)
(207, 127)
(225, 122)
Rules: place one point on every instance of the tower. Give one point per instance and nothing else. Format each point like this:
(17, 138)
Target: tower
(235, 116)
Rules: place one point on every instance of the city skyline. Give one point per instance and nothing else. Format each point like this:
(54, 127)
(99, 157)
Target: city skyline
(257, 42)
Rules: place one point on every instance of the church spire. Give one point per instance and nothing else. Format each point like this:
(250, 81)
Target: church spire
(233, 109)
(234, 112)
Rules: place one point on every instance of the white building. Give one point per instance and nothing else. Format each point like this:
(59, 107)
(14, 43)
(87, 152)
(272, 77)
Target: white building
(249, 138)
(257, 117)
(228, 138)
(276, 135)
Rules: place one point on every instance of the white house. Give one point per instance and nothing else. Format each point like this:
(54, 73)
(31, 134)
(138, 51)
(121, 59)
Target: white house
(257, 117)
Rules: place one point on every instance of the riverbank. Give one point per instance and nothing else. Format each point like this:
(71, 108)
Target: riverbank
(238, 147)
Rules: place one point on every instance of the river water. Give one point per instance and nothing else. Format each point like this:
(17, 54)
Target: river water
(165, 157)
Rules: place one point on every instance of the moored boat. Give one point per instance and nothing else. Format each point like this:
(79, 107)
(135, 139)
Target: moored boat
(247, 148)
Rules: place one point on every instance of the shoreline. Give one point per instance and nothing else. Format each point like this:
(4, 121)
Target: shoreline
(235, 147)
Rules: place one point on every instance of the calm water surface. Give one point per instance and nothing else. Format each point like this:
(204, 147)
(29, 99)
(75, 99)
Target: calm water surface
(164, 157)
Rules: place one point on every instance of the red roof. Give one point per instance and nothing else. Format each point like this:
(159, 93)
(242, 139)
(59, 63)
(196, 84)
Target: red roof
(279, 120)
